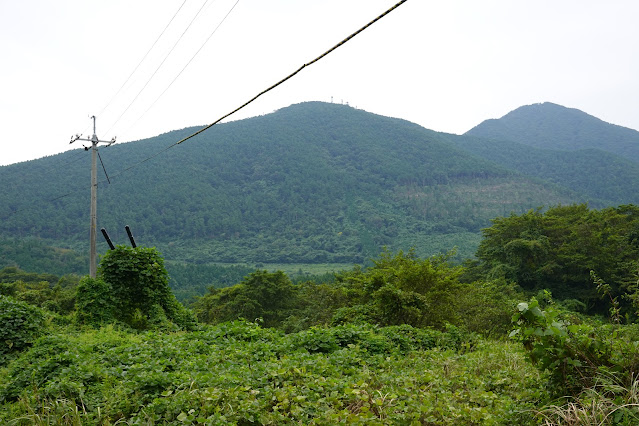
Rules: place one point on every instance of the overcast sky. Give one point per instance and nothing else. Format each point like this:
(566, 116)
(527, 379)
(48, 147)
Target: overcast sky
(444, 64)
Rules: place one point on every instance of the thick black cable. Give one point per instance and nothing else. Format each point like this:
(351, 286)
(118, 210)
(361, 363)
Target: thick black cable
(266, 90)
(293, 73)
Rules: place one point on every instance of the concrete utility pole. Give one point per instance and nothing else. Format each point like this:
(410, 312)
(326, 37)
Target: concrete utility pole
(93, 257)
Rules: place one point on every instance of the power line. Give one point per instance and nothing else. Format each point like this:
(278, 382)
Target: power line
(187, 64)
(294, 72)
(159, 66)
(341, 43)
(143, 58)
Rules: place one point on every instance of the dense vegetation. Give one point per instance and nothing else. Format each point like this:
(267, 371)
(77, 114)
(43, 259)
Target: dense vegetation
(408, 340)
(560, 250)
(34, 255)
(604, 178)
(532, 321)
(311, 183)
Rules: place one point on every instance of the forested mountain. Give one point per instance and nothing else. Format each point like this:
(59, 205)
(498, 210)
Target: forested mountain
(310, 183)
(552, 126)
(604, 178)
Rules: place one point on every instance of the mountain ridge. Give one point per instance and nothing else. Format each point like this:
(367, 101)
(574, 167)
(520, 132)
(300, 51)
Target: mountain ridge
(309, 183)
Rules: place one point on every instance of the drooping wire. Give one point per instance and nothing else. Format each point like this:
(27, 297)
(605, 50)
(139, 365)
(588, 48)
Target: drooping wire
(73, 158)
(159, 66)
(143, 58)
(104, 168)
(341, 43)
(293, 73)
(185, 66)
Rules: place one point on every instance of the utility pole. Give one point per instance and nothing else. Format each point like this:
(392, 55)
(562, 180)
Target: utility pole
(93, 257)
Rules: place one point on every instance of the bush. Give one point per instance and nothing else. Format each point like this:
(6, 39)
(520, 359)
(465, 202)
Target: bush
(139, 285)
(94, 303)
(20, 325)
(576, 356)
(380, 340)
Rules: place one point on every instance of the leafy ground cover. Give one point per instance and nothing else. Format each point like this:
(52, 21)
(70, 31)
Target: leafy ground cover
(240, 373)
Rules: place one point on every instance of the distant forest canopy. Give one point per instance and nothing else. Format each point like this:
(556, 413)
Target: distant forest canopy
(310, 183)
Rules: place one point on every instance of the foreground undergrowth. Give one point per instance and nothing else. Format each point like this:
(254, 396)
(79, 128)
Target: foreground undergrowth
(240, 373)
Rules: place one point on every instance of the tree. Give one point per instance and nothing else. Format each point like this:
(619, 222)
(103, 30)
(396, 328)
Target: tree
(270, 296)
(403, 289)
(94, 302)
(558, 249)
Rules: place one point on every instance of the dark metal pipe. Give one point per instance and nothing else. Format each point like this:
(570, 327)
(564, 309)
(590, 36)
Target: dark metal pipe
(128, 231)
(108, 240)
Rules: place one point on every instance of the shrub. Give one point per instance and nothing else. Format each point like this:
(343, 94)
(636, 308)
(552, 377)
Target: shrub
(20, 325)
(139, 285)
(577, 356)
(94, 303)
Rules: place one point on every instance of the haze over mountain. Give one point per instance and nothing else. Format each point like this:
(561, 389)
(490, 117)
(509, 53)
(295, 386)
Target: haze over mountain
(547, 125)
(310, 183)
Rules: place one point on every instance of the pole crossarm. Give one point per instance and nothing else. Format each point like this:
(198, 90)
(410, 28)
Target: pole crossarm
(92, 139)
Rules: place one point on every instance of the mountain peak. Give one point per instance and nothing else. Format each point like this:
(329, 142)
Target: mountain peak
(552, 126)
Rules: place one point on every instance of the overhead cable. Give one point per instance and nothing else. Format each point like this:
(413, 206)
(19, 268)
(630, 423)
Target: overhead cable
(143, 58)
(187, 64)
(293, 73)
(159, 66)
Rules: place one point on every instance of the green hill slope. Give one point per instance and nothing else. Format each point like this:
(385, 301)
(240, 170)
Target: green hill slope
(552, 126)
(311, 183)
(602, 177)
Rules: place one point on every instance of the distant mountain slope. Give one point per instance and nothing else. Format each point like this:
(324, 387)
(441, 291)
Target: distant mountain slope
(604, 178)
(313, 182)
(552, 126)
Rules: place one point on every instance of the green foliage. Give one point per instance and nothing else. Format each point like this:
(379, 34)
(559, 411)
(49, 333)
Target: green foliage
(609, 180)
(20, 325)
(94, 302)
(11, 274)
(269, 296)
(383, 340)
(576, 355)
(553, 126)
(486, 306)
(558, 249)
(403, 289)
(398, 289)
(188, 281)
(311, 183)
(31, 254)
(239, 373)
(43, 290)
(139, 289)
